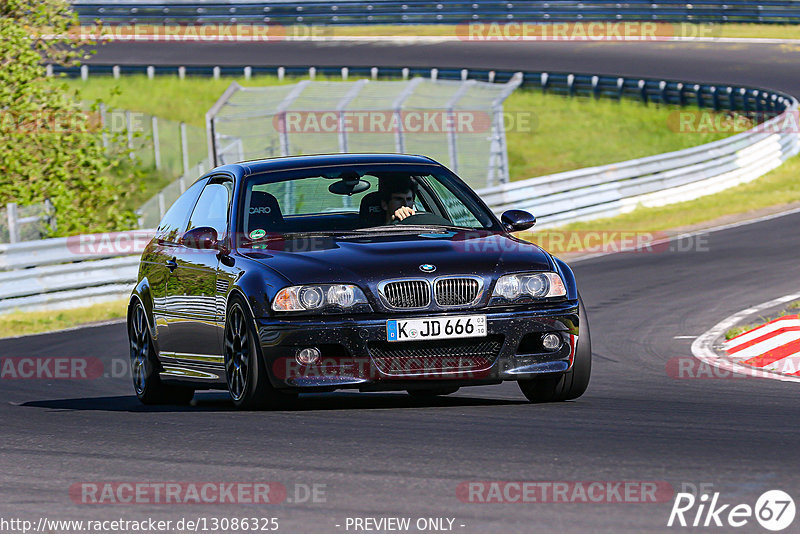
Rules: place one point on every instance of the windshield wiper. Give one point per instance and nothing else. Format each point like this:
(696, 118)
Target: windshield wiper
(415, 228)
(300, 235)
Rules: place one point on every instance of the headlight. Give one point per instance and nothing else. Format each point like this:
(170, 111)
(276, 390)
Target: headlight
(328, 297)
(534, 285)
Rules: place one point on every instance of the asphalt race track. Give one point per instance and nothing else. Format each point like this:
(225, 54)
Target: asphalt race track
(381, 455)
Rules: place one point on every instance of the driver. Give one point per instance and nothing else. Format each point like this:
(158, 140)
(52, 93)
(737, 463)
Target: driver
(397, 198)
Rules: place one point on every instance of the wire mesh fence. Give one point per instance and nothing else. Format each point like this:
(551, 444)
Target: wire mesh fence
(457, 122)
(26, 223)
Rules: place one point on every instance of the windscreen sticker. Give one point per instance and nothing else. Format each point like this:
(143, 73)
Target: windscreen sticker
(258, 234)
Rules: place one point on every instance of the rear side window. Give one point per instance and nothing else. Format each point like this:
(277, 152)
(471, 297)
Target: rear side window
(173, 224)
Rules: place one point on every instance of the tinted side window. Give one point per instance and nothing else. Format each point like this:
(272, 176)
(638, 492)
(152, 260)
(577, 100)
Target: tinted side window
(173, 224)
(212, 207)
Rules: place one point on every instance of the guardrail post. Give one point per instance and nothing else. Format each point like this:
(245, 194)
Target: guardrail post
(181, 72)
(151, 72)
(48, 70)
(434, 74)
(620, 88)
(714, 98)
(681, 95)
(662, 86)
(184, 148)
(312, 73)
(248, 73)
(571, 84)
(373, 73)
(492, 75)
(84, 72)
(156, 144)
(13, 228)
(281, 73)
(345, 73)
(50, 214)
(698, 95)
(596, 87)
(544, 79)
(405, 73)
(216, 71)
(115, 72)
(129, 128)
(464, 74)
(643, 91)
(103, 121)
(731, 101)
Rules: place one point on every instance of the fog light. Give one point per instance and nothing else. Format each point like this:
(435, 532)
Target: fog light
(551, 341)
(308, 356)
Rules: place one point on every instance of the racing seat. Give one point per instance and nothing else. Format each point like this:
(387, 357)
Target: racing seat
(371, 213)
(264, 213)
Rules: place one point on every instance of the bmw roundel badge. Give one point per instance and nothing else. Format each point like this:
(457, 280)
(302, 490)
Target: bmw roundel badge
(427, 268)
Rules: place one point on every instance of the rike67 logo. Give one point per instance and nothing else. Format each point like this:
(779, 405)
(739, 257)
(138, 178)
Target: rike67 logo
(774, 510)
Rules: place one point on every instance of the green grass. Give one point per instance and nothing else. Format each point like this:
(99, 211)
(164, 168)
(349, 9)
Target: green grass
(573, 133)
(791, 309)
(21, 323)
(567, 133)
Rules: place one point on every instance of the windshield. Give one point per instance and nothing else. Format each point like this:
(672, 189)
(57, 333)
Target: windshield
(357, 199)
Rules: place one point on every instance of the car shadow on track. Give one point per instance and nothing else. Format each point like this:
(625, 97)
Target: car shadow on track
(220, 402)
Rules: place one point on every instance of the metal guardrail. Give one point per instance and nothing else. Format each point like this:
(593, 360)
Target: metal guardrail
(441, 11)
(618, 188)
(65, 271)
(52, 278)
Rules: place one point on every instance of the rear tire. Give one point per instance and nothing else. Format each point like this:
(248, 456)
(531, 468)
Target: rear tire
(245, 368)
(432, 392)
(145, 367)
(571, 384)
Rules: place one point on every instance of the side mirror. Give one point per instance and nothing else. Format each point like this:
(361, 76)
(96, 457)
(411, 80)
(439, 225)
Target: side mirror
(517, 220)
(202, 237)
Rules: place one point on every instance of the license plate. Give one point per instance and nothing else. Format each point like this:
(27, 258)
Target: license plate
(436, 328)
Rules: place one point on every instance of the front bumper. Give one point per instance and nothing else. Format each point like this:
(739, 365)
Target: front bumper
(355, 353)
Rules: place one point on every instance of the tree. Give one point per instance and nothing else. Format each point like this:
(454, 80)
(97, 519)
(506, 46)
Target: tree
(51, 148)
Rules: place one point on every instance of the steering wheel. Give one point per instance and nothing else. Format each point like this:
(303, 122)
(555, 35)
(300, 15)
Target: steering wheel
(423, 218)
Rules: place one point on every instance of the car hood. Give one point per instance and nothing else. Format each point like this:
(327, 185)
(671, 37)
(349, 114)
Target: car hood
(380, 256)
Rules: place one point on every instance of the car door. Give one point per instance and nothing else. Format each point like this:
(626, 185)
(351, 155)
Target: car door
(194, 331)
(156, 257)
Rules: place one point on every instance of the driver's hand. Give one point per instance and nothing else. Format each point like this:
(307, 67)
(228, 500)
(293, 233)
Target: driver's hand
(402, 213)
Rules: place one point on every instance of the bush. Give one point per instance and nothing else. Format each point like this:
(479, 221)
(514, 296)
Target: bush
(52, 148)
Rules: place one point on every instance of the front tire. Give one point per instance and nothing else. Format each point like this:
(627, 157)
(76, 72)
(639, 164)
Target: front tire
(145, 368)
(245, 371)
(571, 384)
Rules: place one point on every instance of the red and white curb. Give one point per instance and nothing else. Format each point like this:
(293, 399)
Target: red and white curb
(774, 346)
(769, 351)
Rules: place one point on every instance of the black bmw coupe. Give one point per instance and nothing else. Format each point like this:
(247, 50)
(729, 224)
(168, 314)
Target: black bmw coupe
(361, 271)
